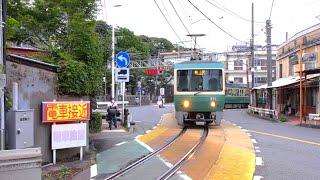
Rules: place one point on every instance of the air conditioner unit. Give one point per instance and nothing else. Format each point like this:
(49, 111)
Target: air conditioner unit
(258, 67)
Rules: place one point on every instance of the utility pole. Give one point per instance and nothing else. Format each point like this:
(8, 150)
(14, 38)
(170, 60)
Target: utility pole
(3, 14)
(269, 63)
(252, 55)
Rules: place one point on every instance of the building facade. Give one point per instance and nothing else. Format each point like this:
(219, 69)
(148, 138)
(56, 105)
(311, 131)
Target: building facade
(238, 63)
(288, 101)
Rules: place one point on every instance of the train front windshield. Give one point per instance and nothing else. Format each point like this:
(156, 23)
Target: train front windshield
(200, 80)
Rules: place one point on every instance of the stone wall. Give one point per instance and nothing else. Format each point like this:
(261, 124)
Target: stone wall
(37, 82)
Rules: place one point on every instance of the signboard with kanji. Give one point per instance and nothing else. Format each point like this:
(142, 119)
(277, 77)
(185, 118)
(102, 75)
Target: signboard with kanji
(68, 135)
(65, 111)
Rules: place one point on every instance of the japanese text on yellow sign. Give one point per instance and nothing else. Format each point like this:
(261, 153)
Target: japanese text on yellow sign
(65, 111)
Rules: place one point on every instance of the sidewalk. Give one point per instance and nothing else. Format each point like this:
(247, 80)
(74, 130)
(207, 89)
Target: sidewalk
(295, 120)
(72, 167)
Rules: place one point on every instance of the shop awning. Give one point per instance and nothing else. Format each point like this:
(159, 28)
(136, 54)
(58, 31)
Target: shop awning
(285, 81)
(280, 82)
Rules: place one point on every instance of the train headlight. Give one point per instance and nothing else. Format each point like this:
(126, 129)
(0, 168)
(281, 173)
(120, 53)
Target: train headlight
(186, 104)
(213, 104)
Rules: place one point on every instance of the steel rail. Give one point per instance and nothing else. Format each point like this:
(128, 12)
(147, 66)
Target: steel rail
(186, 157)
(145, 158)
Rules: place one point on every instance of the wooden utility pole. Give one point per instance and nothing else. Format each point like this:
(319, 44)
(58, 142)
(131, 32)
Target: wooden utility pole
(301, 95)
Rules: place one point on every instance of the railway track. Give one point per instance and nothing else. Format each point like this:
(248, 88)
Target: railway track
(186, 157)
(172, 170)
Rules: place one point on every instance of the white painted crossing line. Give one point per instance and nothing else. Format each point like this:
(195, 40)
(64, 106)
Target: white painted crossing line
(93, 170)
(154, 127)
(148, 131)
(138, 136)
(249, 134)
(254, 141)
(245, 130)
(114, 130)
(167, 163)
(257, 147)
(258, 151)
(240, 127)
(257, 177)
(259, 161)
(144, 145)
(121, 143)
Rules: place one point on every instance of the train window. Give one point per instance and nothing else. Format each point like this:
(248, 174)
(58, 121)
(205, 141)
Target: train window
(209, 80)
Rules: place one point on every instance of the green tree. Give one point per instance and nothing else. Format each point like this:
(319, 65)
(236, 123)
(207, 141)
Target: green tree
(66, 28)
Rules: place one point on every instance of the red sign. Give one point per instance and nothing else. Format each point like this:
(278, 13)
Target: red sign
(151, 72)
(65, 111)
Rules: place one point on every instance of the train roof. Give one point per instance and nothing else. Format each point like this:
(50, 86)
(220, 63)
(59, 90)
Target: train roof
(199, 64)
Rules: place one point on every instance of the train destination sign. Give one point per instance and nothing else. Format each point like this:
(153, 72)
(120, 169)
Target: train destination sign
(65, 111)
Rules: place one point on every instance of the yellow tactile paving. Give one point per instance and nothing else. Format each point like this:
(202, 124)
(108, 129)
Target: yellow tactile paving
(237, 157)
(152, 134)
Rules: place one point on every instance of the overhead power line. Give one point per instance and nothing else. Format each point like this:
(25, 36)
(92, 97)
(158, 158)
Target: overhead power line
(226, 10)
(179, 17)
(168, 22)
(271, 9)
(182, 22)
(213, 22)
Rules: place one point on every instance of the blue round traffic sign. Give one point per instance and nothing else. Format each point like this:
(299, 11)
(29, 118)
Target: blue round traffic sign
(123, 59)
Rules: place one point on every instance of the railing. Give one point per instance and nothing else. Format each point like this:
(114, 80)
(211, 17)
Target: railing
(270, 113)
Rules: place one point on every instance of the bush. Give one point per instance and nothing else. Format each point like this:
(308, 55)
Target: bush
(282, 118)
(95, 123)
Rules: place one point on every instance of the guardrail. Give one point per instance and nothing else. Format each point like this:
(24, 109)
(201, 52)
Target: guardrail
(270, 113)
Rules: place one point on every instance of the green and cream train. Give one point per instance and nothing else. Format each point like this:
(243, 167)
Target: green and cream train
(199, 92)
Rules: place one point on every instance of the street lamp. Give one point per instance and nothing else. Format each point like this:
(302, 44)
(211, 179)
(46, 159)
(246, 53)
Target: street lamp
(112, 64)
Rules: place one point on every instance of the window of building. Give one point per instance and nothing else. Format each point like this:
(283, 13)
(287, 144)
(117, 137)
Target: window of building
(312, 97)
(238, 65)
(238, 80)
(260, 79)
(280, 71)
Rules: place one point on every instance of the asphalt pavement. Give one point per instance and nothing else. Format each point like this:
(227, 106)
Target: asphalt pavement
(145, 117)
(287, 151)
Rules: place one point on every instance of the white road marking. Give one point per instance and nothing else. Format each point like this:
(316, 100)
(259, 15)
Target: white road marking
(258, 151)
(138, 121)
(184, 176)
(154, 127)
(254, 141)
(138, 136)
(121, 143)
(144, 145)
(148, 131)
(249, 134)
(114, 130)
(240, 127)
(257, 177)
(167, 163)
(259, 161)
(93, 170)
(257, 147)
(245, 130)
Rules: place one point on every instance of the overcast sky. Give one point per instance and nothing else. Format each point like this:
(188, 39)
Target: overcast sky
(144, 18)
